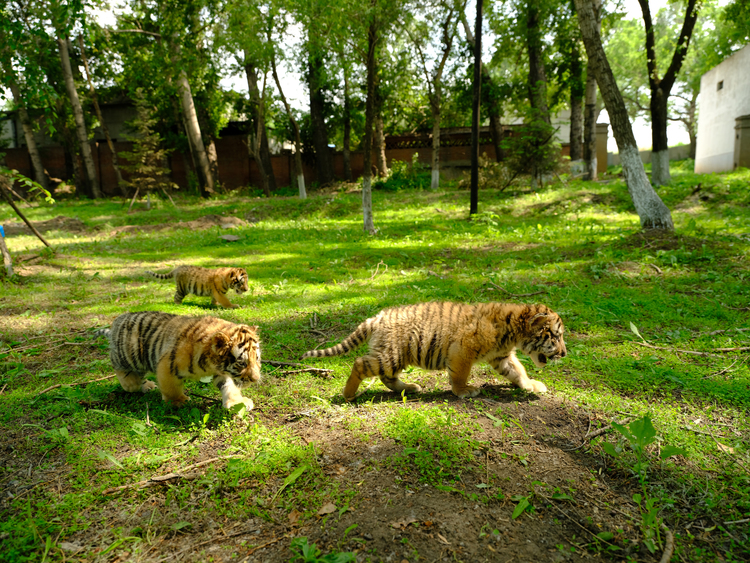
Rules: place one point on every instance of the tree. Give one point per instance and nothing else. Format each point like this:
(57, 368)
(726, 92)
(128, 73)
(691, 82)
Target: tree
(475, 107)
(10, 39)
(442, 16)
(649, 206)
(661, 87)
(145, 162)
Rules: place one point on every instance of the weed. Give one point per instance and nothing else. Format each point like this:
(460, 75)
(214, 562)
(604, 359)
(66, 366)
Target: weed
(305, 552)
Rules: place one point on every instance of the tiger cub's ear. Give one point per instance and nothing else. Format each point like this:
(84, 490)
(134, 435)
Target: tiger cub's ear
(220, 343)
(538, 321)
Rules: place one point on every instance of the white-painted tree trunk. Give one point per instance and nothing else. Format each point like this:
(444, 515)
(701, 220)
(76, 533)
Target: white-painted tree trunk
(649, 206)
(660, 175)
(75, 103)
(369, 224)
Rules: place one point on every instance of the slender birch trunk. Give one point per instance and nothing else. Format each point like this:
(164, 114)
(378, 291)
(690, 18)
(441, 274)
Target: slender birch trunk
(28, 133)
(347, 153)
(649, 206)
(192, 127)
(259, 138)
(297, 140)
(372, 70)
(102, 123)
(589, 126)
(83, 138)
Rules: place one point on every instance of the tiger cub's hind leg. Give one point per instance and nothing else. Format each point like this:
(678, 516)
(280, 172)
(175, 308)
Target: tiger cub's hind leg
(171, 386)
(133, 382)
(370, 366)
(178, 297)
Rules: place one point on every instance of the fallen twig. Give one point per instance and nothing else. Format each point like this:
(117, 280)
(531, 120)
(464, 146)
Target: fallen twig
(720, 372)
(591, 435)
(3, 389)
(74, 384)
(723, 448)
(668, 545)
(517, 294)
(321, 371)
(161, 478)
(273, 541)
(647, 345)
(287, 364)
(656, 268)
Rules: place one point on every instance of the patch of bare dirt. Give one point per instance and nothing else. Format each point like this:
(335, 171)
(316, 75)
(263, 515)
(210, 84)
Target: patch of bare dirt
(205, 222)
(394, 517)
(59, 223)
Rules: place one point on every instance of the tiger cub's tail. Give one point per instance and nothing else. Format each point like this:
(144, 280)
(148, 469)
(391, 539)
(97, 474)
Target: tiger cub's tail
(167, 276)
(101, 332)
(354, 340)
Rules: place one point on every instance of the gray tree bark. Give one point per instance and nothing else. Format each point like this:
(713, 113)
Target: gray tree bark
(102, 123)
(83, 138)
(28, 133)
(192, 127)
(372, 71)
(299, 171)
(649, 206)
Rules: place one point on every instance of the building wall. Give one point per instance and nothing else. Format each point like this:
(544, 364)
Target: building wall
(725, 96)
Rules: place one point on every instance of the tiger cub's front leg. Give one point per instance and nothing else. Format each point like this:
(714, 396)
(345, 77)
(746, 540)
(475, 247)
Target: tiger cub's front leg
(230, 393)
(222, 300)
(512, 370)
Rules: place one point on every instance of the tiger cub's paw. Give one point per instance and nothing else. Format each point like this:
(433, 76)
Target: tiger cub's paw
(147, 386)
(536, 386)
(466, 392)
(249, 405)
(412, 388)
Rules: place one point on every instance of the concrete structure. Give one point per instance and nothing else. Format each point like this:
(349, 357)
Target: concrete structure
(678, 152)
(725, 97)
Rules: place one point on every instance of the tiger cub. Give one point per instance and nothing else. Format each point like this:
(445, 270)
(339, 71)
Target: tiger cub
(176, 348)
(452, 336)
(206, 282)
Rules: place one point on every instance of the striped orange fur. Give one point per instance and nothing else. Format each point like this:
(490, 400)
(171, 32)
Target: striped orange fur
(452, 336)
(206, 282)
(176, 348)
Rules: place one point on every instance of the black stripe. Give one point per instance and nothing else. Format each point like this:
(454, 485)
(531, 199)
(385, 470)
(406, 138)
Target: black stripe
(430, 352)
(439, 360)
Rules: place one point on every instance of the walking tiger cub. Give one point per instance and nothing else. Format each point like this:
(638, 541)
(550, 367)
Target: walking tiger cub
(177, 348)
(452, 336)
(206, 282)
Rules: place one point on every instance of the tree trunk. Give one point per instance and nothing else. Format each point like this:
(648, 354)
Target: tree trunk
(659, 143)
(496, 127)
(323, 160)
(691, 123)
(435, 110)
(28, 132)
(258, 110)
(661, 87)
(347, 154)
(589, 126)
(650, 208)
(381, 163)
(537, 74)
(475, 106)
(193, 130)
(577, 91)
(372, 70)
(75, 103)
(299, 171)
(257, 127)
(102, 124)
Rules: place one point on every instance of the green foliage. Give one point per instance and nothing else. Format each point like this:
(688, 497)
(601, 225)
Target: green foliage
(146, 161)
(531, 148)
(32, 187)
(304, 552)
(405, 176)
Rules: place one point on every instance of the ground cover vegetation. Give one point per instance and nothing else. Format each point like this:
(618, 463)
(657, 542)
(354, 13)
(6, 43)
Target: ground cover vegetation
(641, 444)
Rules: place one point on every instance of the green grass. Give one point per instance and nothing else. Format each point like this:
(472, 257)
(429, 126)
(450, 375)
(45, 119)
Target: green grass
(314, 275)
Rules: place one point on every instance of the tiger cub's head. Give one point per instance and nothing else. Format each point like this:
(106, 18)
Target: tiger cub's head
(238, 280)
(237, 352)
(544, 339)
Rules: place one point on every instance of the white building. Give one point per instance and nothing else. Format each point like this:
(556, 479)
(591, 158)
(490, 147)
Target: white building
(725, 96)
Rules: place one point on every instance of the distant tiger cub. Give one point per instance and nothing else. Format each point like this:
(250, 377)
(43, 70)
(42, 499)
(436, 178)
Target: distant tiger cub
(452, 336)
(177, 348)
(206, 282)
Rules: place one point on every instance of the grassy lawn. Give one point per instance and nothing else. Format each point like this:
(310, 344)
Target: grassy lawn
(656, 324)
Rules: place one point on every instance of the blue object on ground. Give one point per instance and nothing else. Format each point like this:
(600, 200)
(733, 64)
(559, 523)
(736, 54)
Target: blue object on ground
(2, 231)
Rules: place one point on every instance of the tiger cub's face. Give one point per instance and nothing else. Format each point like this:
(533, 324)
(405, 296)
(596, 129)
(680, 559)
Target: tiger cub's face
(545, 341)
(239, 354)
(239, 280)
